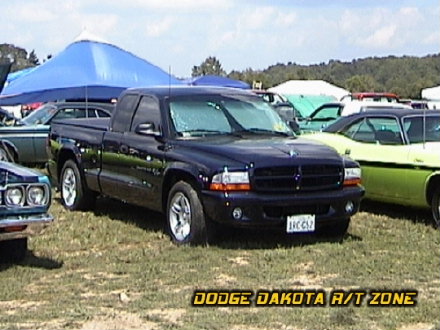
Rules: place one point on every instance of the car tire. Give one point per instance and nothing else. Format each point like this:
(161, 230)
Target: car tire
(337, 229)
(75, 196)
(13, 250)
(186, 219)
(435, 206)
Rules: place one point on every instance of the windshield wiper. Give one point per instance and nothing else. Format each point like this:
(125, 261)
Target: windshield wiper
(197, 132)
(255, 130)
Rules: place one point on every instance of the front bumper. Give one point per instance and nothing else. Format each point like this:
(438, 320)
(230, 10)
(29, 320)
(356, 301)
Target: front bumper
(272, 210)
(25, 225)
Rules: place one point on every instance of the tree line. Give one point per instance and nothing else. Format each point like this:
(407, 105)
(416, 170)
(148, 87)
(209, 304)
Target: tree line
(406, 76)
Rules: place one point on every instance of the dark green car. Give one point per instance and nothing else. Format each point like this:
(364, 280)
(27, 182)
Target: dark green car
(29, 134)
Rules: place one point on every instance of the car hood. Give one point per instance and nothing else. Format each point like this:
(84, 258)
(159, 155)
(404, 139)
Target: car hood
(11, 173)
(260, 152)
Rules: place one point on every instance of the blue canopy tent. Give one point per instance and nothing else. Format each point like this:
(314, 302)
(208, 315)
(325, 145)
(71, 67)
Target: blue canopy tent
(85, 70)
(211, 80)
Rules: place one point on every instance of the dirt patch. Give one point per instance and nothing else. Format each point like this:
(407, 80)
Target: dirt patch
(224, 279)
(120, 320)
(14, 306)
(417, 326)
(169, 315)
(240, 261)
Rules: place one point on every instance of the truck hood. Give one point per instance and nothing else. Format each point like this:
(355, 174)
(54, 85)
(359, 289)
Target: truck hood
(262, 152)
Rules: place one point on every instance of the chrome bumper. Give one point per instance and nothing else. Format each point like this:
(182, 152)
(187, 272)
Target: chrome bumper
(34, 223)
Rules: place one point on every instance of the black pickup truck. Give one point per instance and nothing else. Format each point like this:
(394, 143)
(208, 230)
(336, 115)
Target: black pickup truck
(206, 157)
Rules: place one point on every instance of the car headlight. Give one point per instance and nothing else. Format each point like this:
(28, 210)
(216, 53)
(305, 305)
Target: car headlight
(352, 176)
(14, 196)
(37, 196)
(230, 181)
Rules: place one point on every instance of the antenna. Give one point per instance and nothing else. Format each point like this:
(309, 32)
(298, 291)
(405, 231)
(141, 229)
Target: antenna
(169, 81)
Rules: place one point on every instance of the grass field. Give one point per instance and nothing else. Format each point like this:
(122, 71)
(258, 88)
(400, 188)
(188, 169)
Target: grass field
(116, 269)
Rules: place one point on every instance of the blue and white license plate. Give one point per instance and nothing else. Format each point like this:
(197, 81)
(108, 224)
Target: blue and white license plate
(300, 223)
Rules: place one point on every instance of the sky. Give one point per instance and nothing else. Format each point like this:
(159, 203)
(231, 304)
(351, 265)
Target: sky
(179, 34)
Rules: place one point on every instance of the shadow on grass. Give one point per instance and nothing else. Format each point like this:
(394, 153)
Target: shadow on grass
(239, 238)
(31, 260)
(415, 215)
(228, 238)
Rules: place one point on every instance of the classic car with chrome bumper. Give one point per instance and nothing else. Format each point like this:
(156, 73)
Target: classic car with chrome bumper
(25, 197)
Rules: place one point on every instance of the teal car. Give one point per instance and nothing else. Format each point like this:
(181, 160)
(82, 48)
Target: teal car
(28, 136)
(25, 197)
(399, 154)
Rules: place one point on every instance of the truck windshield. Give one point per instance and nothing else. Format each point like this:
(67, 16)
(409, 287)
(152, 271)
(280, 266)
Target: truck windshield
(214, 114)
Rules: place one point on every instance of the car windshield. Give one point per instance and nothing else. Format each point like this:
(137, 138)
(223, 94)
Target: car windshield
(232, 114)
(40, 115)
(422, 128)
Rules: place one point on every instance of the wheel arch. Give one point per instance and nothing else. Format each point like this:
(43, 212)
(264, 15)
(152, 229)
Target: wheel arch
(66, 154)
(179, 172)
(433, 182)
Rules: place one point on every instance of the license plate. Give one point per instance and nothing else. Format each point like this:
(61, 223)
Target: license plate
(301, 223)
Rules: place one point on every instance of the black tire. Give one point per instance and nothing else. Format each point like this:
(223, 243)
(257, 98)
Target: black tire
(338, 229)
(186, 219)
(435, 206)
(13, 250)
(74, 193)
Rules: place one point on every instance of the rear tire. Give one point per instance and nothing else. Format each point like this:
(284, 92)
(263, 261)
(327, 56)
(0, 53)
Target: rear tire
(13, 250)
(186, 219)
(74, 194)
(435, 206)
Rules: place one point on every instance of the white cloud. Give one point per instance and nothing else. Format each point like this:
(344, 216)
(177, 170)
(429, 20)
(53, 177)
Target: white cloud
(381, 38)
(159, 27)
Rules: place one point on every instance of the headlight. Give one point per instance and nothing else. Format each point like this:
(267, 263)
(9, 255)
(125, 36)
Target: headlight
(37, 196)
(352, 176)
(14, 196)
(227, 181)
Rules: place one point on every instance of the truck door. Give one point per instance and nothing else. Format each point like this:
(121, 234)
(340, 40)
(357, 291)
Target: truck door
(113, 155)
(143, 154)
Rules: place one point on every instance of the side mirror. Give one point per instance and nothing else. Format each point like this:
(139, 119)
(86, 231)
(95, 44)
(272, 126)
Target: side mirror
(147, 129)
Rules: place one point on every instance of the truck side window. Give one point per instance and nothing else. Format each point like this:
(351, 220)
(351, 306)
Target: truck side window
(148, 112)
(122, 117)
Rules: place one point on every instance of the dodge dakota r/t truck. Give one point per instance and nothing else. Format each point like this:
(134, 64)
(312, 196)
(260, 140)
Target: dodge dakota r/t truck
(205, 156)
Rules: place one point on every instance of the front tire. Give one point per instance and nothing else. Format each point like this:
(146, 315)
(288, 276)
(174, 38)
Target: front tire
(435, 206)
(74, 194)
(13, 250)
(186, 219)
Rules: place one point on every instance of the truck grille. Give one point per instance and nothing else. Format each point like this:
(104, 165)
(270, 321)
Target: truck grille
(302, 178)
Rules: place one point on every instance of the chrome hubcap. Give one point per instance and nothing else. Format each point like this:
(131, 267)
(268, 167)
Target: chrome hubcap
(180, 216)
(69, 187)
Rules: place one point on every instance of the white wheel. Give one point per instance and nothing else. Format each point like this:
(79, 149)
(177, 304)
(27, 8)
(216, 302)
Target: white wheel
(68, 187)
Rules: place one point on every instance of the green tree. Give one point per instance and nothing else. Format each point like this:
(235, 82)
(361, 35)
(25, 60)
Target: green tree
(211, 66)
(361, 83)
(17, 56)
(33, 58)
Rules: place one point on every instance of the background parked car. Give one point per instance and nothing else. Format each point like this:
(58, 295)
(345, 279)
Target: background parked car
(398, 151)
(328, 113)
(283, 107)
(29, 134)
(25, 196)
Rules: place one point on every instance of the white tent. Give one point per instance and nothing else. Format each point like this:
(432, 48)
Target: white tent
(309, 87)
(432, 93)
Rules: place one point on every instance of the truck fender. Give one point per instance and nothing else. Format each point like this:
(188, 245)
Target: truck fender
(177, 171)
